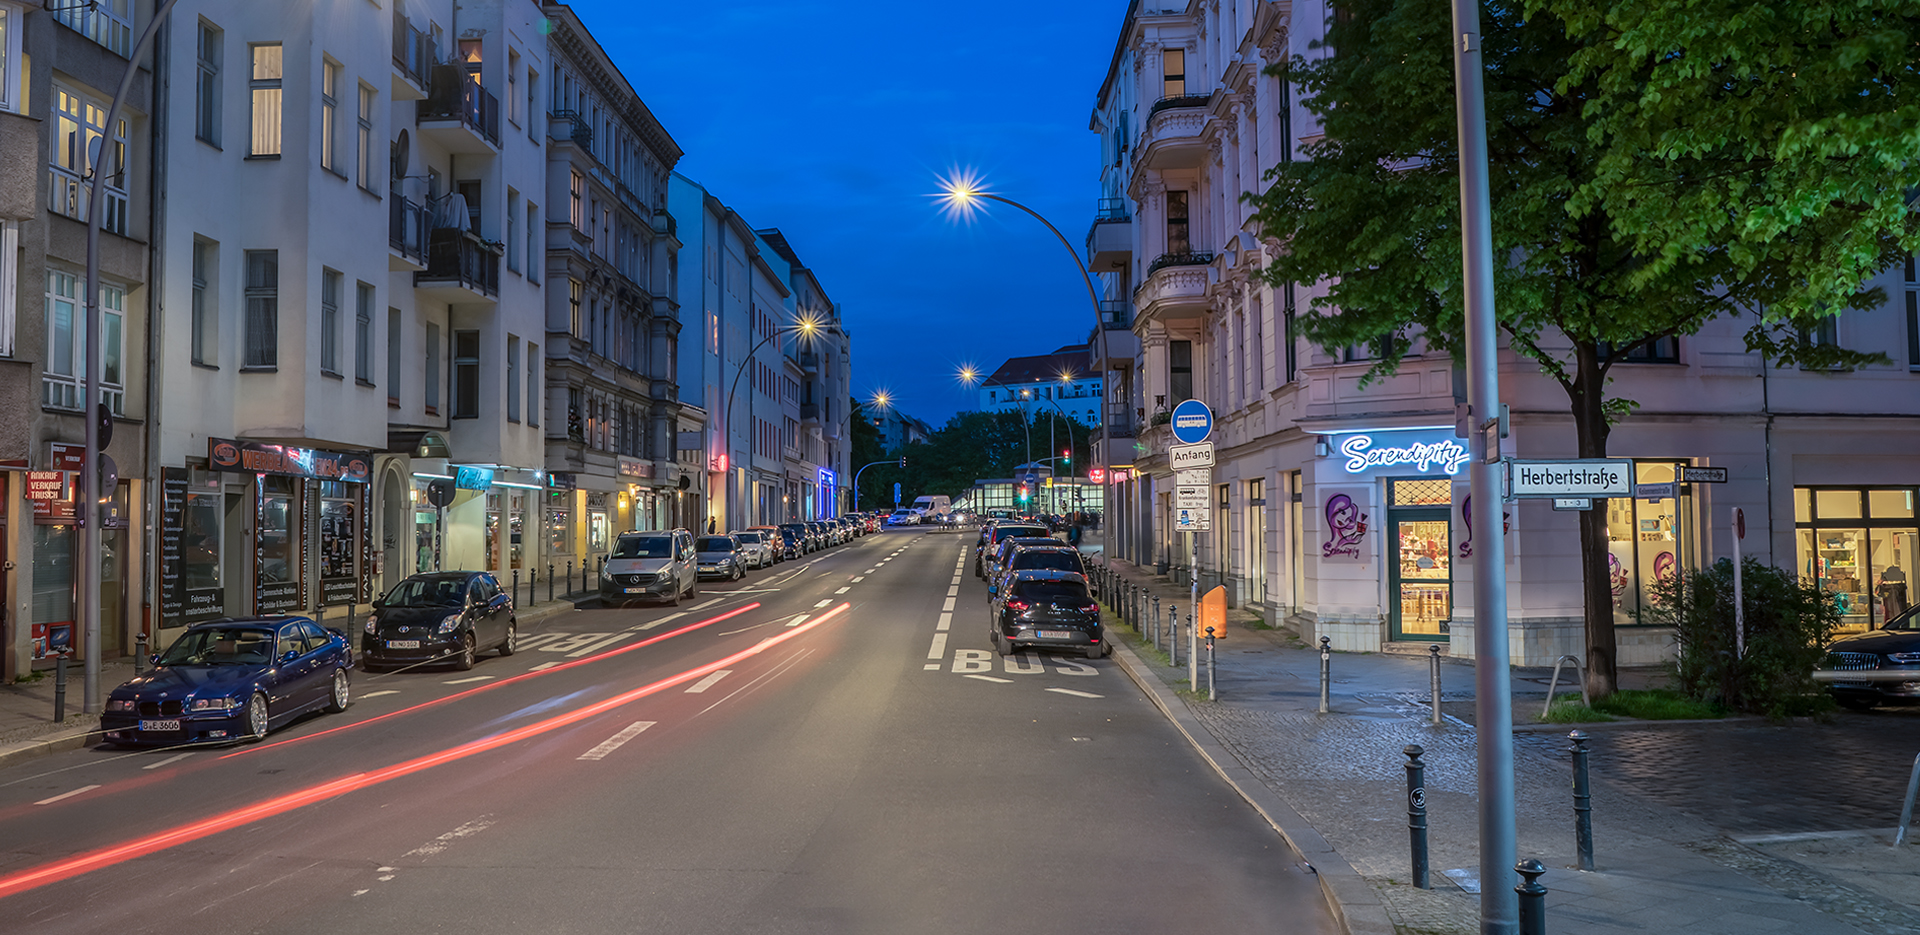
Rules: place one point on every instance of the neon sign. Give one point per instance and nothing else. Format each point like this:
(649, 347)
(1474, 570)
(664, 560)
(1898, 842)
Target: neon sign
(1447, 455)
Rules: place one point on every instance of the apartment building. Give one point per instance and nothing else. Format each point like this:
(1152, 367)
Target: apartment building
(815, 433)
(1343, 508)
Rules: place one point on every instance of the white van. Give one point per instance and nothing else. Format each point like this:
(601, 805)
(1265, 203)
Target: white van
(930, 507)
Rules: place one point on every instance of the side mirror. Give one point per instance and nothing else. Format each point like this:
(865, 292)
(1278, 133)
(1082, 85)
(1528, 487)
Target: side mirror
(153, 659)
(993, 590)
(289, 655)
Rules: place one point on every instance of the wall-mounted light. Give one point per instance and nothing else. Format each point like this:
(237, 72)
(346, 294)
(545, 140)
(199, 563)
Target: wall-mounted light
(1320, 449)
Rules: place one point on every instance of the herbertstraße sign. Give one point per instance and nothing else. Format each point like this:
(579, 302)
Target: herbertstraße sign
(1182, 457)
(1190, 498)
(1703, 475)
(1198, 477)
(1547, 480)
(1199, 520)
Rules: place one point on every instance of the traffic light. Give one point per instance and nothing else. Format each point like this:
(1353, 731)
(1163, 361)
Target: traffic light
(1023, 493)
(903, 460)
(1066, 456)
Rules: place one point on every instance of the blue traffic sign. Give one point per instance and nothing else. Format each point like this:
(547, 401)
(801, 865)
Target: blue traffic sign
(1192, 422)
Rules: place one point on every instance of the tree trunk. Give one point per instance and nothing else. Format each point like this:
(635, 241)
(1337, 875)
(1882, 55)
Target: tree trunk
(1590, 425)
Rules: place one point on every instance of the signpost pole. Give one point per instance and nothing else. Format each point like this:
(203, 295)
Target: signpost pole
(1739, 594)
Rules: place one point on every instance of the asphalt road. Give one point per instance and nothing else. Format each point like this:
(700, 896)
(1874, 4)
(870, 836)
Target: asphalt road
(828, 746)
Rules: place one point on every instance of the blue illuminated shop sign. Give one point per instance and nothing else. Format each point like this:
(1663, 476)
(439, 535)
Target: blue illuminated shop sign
(1428, 453)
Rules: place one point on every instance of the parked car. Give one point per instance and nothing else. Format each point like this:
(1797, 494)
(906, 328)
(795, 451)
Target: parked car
(720, 557)
(758, 549)
(793, 540)
(656, 565)
(904, 517)
(1046, 608)
(1003, 551)
(808, 543)
(232, 679)
(439, 617)
(992, 536)
(1034, 555)
(822, 534)
(1878, 667)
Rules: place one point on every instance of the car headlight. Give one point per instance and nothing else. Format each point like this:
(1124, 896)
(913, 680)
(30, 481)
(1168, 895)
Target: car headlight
(450, 624)
(372, 623)
(663, 575)
(724, 561)
(214, 704)
(120, 704)
(1905, 659)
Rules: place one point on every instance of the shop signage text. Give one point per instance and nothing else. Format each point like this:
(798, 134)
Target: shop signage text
(243, 457)
(64, 456)
(634, 467)
(1181, 457)
(46, 485)
(1596, 477)
(472, 478)
(1362, 454)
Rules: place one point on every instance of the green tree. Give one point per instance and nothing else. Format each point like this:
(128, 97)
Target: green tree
(984, 445)
(1373, 213)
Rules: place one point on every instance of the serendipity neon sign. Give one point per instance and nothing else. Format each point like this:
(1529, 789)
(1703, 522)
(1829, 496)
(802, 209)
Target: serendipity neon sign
(1447, 455)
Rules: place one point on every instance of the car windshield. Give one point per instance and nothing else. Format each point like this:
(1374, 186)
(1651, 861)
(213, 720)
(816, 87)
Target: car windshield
(220, 646)
(713, 544)
(1056, 559)
(1061, 592)
(1908, 622)
(428, 592)
(749, 537)
(643, 547)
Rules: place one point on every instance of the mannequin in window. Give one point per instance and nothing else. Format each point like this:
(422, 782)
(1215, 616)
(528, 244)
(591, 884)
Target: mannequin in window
(1892, 592)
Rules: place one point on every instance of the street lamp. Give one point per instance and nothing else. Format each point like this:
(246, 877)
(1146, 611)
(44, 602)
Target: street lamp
(806, 326)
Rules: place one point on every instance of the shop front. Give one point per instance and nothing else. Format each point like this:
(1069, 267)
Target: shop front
(1858, 544)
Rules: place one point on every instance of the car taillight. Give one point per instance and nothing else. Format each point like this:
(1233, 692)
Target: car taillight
(1018, 605)
(1091, 608)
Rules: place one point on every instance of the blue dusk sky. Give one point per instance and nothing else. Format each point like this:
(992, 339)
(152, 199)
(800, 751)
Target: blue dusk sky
(836, 121)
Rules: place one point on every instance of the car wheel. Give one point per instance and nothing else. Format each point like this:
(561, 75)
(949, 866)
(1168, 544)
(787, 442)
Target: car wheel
(512, 642)
(1006, 646)
(1095, 652)
(257, 719)
(342, 691)
(464, 660)
(739, 572)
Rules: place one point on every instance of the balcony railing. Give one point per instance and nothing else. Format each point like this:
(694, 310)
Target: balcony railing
(1116, 314)
(454, 256)
(663, 223)
(809, 412)
(454, 96)
(1180, 100)
(570, 125)
(407, 228)
(1164, 260)
(412, 50)
(1113, 209)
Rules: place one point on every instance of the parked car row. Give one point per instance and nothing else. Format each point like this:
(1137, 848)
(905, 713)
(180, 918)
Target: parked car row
(1039, 592)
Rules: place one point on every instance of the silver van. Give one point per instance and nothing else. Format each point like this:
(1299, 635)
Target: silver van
(657, 565)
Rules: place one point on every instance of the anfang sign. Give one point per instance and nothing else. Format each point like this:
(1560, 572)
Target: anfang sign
(1363, 454)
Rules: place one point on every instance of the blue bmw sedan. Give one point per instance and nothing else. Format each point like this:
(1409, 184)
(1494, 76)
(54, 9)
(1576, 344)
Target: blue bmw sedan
(229, 680)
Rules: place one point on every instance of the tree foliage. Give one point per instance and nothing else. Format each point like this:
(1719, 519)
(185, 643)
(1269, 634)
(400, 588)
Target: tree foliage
(1788, 625)
(985, 446)
(866, 450)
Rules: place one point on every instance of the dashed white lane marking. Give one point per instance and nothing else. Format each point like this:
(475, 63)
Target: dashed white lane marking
(1069, 691)
(172, 759)
(948, 605)
(822, 604)
(939, 650)
(544, 665)
(859, 578)
(68, 795)
(872, 570)
(440, 843)
(600, 644)
(844, 589)
(946, 620)
(390, 691)
(708, 603)
(798, 620)
(953, 589)
(654, 623)
(477, 678)
(931, 667)
(989, 678)
(706, 683)
(613, 743)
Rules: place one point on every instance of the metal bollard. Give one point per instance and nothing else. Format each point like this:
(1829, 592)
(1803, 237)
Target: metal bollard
(1582, 800)
(1153, 620)
(1417, 814)
(1326, 674)
(1212, 693)
(60, 688)
(1173, 641)
(1433, 675)
(1906, 807)
(515, 593)
(140, 652)
(570, 575)
(549, 581)
(1533, 898)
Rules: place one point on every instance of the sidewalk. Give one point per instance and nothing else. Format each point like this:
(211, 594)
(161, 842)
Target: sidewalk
(27, 727)
(1338, 781)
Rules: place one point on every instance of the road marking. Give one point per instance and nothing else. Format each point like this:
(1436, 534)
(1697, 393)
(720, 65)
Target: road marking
(1069, 691)
(544, 665)
(939, 649)
(172, 759)
(613, 743)
(946, 620)
(706, 683)
(822, 604)
(611, 639)
(798, 620)
(948, 605)
(859, 578)
(440, 843)
(654, 623)
(931, 667)
(709, 603)
(477, 678)
(872, 570)
(844, 589)
(390, 691)
(68, 795)
(989, 678)
(953, 589)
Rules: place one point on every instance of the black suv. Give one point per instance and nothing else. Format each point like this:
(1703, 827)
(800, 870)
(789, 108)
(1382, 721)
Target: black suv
(800, 531)
(990, 539)
(1048, 609)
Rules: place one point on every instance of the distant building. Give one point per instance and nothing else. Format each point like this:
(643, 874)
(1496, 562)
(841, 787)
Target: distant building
(898, 430)
(1064, 379)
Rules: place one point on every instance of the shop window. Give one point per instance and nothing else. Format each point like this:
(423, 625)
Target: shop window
(1858, 545)
(559, 542)
(495, 545)
(200, 540)
(516, 527)
(1647, 540)
(276, 546)
(53, 573)
(339, 542)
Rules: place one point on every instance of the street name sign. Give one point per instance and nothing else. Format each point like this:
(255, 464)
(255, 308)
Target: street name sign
(1183, 457)
(1589, 477)
(1655, 491)
(1703, 475)
(1192, 422)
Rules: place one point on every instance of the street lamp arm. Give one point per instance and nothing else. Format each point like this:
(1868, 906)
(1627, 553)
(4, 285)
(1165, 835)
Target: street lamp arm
(863, 470)
(1092, 293)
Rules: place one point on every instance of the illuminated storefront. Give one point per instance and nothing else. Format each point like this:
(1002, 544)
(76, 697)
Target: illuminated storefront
(1858, 544)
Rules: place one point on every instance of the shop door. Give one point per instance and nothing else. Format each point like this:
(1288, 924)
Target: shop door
(1420, 578)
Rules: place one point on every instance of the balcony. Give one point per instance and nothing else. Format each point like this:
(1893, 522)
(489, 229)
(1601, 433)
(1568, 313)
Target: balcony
(406, 234)
(1109, 242)
(810, 362)
(663, 223)
(1116, 314)
(569, 126)
(412, 57)
(460, 268)
(810, 413)
(458, 114)
(1175, 290)
(1172, 138)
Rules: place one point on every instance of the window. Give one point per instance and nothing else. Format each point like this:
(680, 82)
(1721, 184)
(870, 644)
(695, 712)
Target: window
(513, 87)
(1290, 334)
(1661, 351)
(65, 373)
(10, 69)
(393, 357)
(206, 302)
(206, 89)
(533, 243)
(108, 22)
(368, 162)
(1179, 372)
(1173, 72)
(264, 86)
(466, 374)
(363, 333)
(513, 378)
(574, 287)
(533, 383)
(1177, 229)
(533, 110)
(1259, 343)
(329, 322)
(576, 194)
(1858, 545)
(79, 125)
(330, 116)
(512, 241)
(433, 369)
(1825, 332)
(263, 308)
(1913, 316)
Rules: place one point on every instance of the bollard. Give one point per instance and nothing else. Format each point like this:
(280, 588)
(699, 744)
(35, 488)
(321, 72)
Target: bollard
(60, 688)
(1433, 676)
(140, 653)
(515, 593)
(1326, 673)
(570, 576)
(1154, 620)
(1417, 814)
(1533, 898)
(1212, 693)
(1173, 640)
(1582, 800)
(549, 581)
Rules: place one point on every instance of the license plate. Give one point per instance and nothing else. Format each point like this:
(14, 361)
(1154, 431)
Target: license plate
(403, 644)
(160, 725)
(636, 590)
(1056, 634)
(709, 568)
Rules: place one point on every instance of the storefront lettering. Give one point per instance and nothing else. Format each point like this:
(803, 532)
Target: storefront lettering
(255, 458)
(1447, 455)
(1346, 528)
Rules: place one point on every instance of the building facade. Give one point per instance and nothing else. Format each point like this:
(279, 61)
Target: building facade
(1343, 509)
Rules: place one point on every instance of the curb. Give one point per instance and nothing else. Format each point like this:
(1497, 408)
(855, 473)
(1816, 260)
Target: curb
(1632, 724)
(1353, 901)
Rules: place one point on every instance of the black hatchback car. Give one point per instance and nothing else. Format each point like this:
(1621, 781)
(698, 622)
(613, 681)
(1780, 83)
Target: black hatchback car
(1878, 667)
(1046, 609)
(440, 617)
